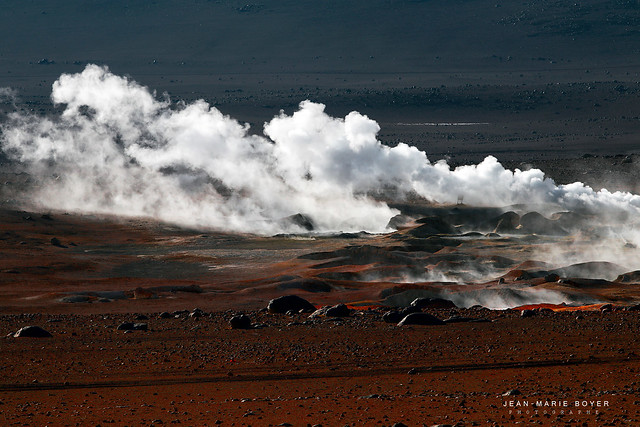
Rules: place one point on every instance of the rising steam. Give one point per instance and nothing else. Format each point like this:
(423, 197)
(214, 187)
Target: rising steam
(118, 149)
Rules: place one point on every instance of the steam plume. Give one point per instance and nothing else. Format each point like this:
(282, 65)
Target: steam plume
(116, 148)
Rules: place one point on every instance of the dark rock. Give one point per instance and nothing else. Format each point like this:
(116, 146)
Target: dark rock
(196, 313)
(458, 319)
(130, 326)
(141, 317)
(72, 299)
(392, 316)
(179, 313)
(552, 277)
(432, 226)
(420, 319)
(527, 313)
(290, 303)
(514, 392)
(321, 312)
(432, 303)
(32, 332)
(339, 310)
(56, 242)
(165, 315)
(408, 310)
(241, 321)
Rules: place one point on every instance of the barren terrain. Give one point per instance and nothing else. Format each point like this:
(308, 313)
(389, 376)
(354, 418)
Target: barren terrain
(531, 311)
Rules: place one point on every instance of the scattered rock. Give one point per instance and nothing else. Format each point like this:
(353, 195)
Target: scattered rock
(196, 313)
(392, 316)
(420, 319)
(165, 315)
(513, 392)
(527, 313)
(339, 310)
(130, 326)
(241, 321)
(32, 332)
(408, 310)
(56, 242)
(290, 303)
(458, 319)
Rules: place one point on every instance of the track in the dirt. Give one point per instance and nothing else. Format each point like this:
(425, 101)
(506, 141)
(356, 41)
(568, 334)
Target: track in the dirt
(246, 375)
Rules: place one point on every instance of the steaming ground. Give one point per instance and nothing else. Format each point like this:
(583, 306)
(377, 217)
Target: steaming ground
(117, 148)
(472, 234)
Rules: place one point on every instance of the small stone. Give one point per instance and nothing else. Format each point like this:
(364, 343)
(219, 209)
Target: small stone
(130, 326)
(420, 319)
(140, 327)
(196, 313)
(241, 321)
(56, 242)
(339, 310)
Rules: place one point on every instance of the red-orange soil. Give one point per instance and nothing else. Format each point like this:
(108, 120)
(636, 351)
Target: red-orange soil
(290, 369)
(360, 371)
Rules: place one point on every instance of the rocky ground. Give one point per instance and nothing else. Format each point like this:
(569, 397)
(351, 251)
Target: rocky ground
(500, 368)
(140, 317)
(536, 84)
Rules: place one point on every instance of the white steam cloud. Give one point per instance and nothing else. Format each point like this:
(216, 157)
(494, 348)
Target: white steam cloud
(117, 149)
